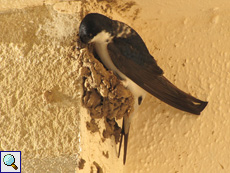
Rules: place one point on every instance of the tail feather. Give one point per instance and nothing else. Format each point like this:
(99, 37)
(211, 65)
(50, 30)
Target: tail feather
(124, 134)
(121, 139)
(164, 90)
(125, 147)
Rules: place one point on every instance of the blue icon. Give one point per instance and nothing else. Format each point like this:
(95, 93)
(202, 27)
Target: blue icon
(9, 160)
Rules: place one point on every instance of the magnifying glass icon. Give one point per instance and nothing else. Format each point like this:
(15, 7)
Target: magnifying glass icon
(9, 160)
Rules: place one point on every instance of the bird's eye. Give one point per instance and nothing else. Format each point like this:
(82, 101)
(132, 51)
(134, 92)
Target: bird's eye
(90, 35)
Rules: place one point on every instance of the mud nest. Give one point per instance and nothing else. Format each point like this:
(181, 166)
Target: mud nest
(103, 94)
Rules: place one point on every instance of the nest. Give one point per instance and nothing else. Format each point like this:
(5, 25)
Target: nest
(104, 95)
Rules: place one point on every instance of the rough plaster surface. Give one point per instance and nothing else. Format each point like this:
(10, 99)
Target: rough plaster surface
(9, 5)
(39, 108)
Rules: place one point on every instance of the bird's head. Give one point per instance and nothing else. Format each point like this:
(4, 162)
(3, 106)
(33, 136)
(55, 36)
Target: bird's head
(93, 24)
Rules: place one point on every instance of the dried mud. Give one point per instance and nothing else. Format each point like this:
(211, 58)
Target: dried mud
(103, 94)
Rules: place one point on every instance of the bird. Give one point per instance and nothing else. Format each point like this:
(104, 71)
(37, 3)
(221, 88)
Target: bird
(121, 50)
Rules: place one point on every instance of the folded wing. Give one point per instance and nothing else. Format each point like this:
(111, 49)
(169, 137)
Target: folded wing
(141, 68)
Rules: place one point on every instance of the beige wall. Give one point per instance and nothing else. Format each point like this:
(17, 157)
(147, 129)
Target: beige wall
(40, 97)
(190, 41)
(39, 107)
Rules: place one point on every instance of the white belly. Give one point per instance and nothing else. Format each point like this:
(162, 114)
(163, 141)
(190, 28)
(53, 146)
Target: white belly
(102, 51)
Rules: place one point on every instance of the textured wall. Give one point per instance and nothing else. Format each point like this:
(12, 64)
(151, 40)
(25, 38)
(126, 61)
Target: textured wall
(39, 108)
(9, 5)
(190, 41)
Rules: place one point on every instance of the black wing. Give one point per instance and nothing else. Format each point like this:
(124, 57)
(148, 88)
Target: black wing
(132, 58)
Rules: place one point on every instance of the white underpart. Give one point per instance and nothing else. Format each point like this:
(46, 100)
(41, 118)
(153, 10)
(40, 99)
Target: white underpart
(101, 41)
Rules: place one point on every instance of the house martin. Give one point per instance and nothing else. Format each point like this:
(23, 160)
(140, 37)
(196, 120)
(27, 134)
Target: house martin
(122, 50)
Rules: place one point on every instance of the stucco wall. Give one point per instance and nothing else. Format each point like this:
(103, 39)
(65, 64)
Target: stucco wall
(39, 107)
(190, 40)
(40, 94)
